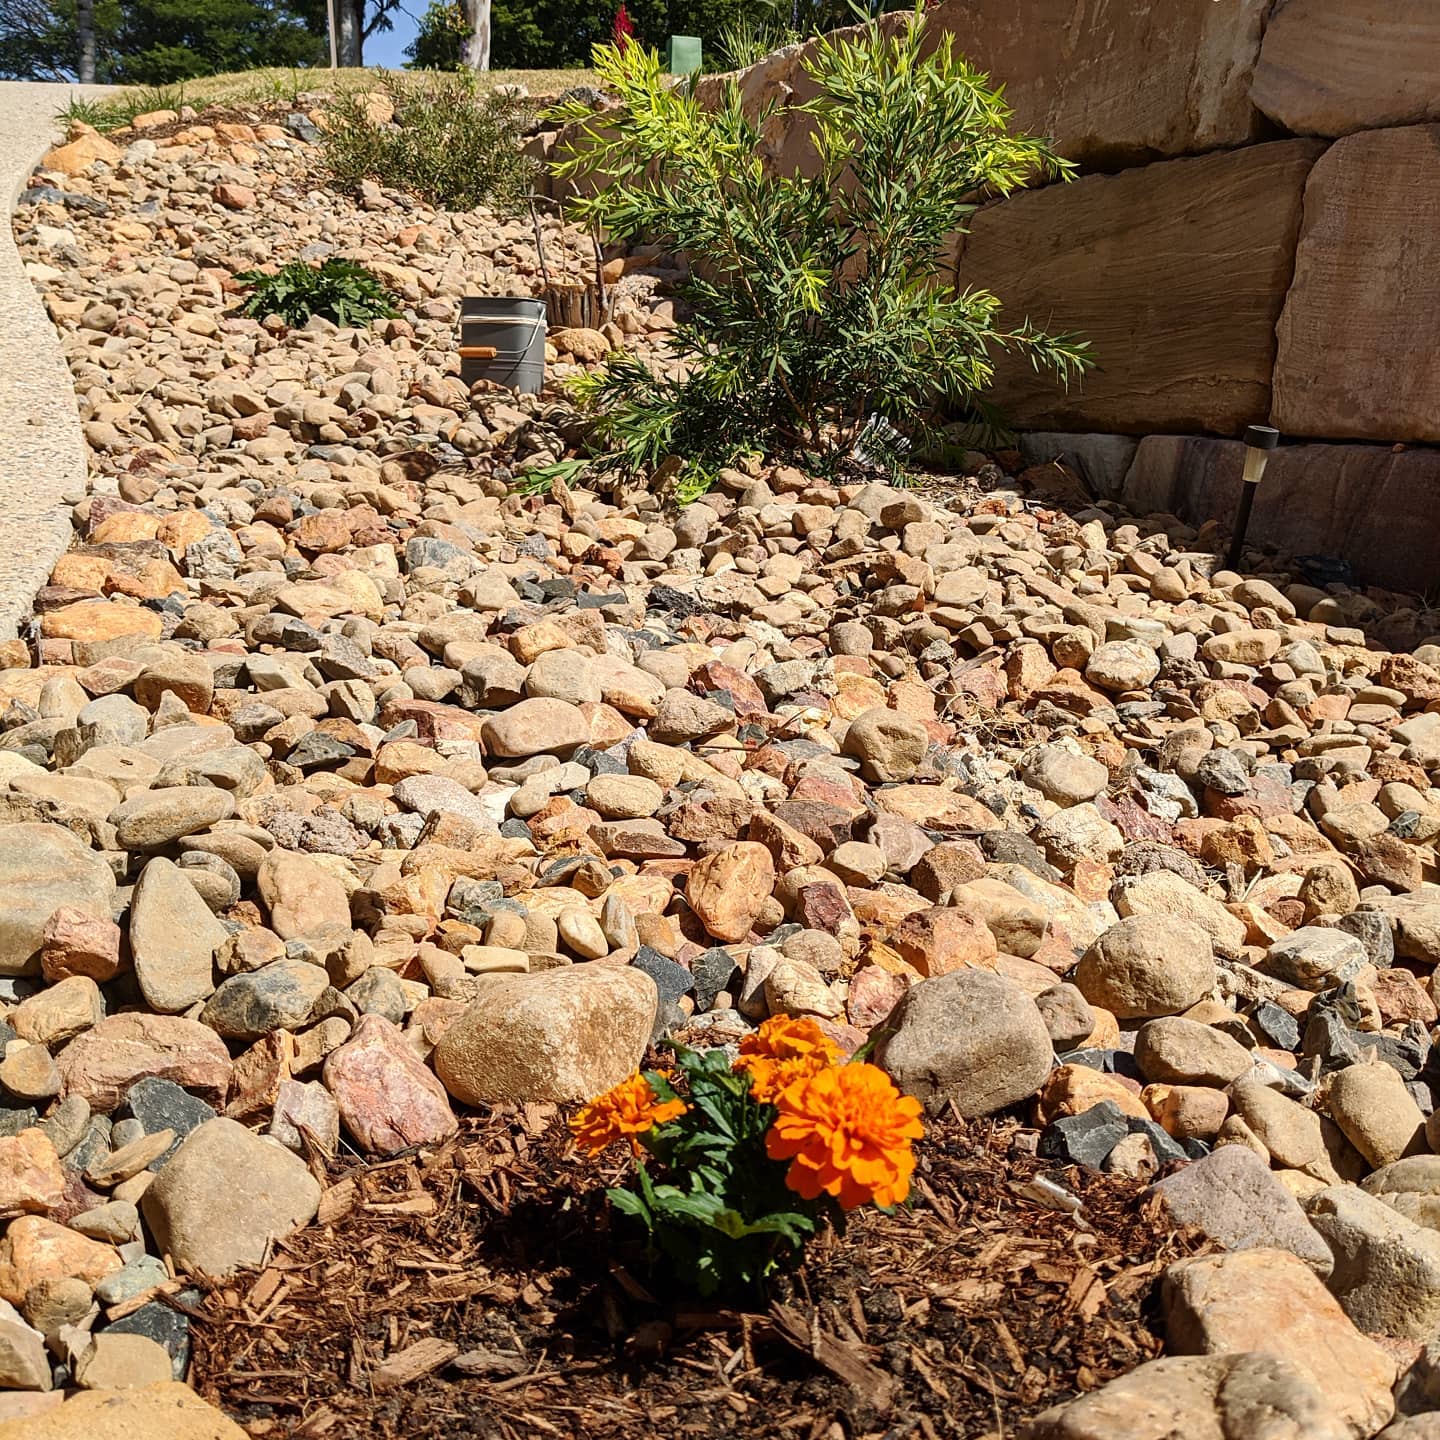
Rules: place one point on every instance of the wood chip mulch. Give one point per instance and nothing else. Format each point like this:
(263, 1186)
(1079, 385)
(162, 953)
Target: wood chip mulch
(477, 1291)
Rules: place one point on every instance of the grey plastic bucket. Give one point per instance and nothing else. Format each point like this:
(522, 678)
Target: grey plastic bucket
(515, 327)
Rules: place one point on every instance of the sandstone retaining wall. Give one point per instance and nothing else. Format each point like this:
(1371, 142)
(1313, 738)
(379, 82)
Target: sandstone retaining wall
(1255, 237)
(1181, 269)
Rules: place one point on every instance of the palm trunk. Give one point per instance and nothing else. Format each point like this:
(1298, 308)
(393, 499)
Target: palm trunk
(349, 42)
(85, 24)
(477, 47)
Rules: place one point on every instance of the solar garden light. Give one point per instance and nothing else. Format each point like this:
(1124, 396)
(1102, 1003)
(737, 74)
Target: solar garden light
(1260, 440)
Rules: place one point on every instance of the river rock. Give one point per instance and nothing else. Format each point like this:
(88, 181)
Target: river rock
(969, 1038)
(42, 869)
(560, 1035)
(174, 937)
(225, 1196)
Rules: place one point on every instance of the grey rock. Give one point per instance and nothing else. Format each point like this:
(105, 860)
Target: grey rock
(163, 1105)
(138, 1275)
(1316, 958)
(1386, 1271)
(379, 992)
(971, 1038)
(278, 996)
(1234, 1197)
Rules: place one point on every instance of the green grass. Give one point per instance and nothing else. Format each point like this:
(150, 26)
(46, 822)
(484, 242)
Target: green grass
(285, 87)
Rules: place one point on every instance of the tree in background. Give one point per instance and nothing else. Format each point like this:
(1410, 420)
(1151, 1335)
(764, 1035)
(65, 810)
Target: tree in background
(559, 34)
(355, 22)
(476, 52)
(160, 42)
(440, 39)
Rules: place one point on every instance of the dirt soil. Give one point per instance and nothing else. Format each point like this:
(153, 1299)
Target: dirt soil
(476, 1291)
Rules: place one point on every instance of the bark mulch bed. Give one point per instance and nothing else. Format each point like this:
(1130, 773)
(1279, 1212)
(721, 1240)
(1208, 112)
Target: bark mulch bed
(476, 1291)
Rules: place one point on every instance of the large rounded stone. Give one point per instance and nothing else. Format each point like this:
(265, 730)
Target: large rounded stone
(279, 996)
(225, 1195)
(157, 817)
(174, 937)
(168, 1411)
(1387, 1268)
(1202, 1397)
(1147, 965)
(42, 868)
(559, 1035)
(304, 898)
(969, 1037)
(1063, 776)
(1271, 1300)
(101, 1064)
(888, 745)
(1315, 958)
(540, 726)
(1122, 665)
(728, 888)
(1175, 1051)
(1378, 1114)
(36, 1249)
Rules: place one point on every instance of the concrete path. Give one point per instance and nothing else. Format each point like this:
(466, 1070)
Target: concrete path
(42, 451)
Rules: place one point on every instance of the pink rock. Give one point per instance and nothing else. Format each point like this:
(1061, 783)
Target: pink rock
(234, 197)
(847, 1037)
(74, 943)
(104, 1062)
(35, 1249)
(31, 1178)
(874, 993)
(387, 1098)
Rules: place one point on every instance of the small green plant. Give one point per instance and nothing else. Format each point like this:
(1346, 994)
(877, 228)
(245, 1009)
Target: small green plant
(451, 142)
(818, 301)
(748, 39)
(340, 290)
(118, 111)
(752, 1157)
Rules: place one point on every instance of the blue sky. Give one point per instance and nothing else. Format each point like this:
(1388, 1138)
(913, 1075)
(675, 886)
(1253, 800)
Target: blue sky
(389, 49)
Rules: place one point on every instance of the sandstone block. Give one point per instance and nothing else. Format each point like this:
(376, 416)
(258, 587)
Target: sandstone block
(1354, 357)
(1331, 67)
(1175, 273)
(1369, 505)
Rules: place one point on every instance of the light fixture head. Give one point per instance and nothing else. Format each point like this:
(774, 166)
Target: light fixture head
(1260, 440)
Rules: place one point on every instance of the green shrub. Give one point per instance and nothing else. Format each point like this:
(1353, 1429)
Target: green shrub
(451, 143)
(747, 40)
(117, 111)
(340, 290)
(820, 302)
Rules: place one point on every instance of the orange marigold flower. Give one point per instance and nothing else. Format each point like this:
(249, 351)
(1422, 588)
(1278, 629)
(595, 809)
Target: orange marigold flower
(847, 1133)
(783, 1050)
(624, 1111)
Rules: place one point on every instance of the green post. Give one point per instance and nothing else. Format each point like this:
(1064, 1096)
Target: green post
(683, 55)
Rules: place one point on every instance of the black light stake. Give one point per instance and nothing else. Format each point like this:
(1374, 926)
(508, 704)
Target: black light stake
(1260, 440)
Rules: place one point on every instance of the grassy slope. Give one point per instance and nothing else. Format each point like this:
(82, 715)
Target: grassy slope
(263, 87)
